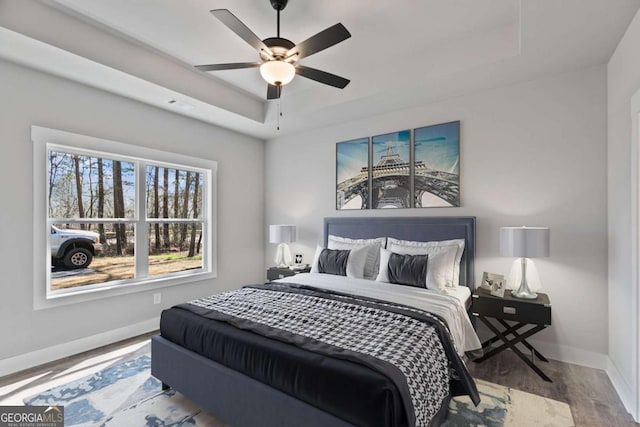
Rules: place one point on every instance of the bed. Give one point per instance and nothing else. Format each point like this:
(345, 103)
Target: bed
(309, 388)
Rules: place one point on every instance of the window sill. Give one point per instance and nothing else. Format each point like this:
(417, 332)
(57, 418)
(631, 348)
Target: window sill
(83, 295)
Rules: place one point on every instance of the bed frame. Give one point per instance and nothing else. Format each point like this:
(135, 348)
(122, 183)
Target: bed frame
(242, 401)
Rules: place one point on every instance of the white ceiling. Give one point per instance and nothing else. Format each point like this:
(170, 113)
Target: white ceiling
(401, 53)
(381, 36)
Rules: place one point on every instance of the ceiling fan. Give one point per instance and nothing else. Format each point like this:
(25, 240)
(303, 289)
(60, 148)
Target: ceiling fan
(280, 56)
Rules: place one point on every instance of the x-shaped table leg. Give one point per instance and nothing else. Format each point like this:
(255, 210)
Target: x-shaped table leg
(507, 331)
(512, 345)
(524, 342)
(513, 330)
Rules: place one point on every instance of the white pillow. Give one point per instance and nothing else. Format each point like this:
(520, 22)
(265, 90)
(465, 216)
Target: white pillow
(408, 247)
(383, 270)
(439, 274)
(373, 255)
(355, 263)
(316, 256)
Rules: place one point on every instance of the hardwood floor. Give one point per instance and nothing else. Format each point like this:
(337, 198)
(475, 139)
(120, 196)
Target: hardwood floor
(15, 387)
(588, 391)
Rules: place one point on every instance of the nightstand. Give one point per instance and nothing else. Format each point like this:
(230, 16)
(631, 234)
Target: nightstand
(535, 313)
(274, 273)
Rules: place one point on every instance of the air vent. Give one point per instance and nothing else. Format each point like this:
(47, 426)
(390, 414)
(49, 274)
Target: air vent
(179, 104)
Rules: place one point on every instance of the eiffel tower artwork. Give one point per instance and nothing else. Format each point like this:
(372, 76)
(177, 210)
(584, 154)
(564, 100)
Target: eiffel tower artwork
(391, 171)
(436, 175)
(352, 174)
(376, 173)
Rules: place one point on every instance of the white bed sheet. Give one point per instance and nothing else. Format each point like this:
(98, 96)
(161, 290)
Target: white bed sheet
(462, 293)
(449, 306)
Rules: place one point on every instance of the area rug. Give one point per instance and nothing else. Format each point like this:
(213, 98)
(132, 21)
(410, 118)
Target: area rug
(125, 394)
(506, 407)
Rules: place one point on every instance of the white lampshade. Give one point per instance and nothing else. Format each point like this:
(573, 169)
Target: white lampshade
(277, 72)
(524, 242)
(282, 233)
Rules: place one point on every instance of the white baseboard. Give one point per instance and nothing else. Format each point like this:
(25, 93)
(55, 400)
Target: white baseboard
(574, 355)
(623, 388)
(45, 355)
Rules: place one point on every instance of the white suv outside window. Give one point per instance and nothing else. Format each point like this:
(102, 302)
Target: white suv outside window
(73, 248)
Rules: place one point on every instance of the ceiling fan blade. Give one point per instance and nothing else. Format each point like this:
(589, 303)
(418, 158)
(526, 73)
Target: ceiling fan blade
(238, 27)
(232, 66)
(274, 92)
(322, 76)
(321, 41)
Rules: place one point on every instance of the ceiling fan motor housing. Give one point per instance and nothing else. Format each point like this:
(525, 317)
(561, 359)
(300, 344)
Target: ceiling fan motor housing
(279, 4)
(278, 46)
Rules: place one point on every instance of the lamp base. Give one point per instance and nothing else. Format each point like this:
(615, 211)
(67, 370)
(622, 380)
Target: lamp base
(524, 295)
(283, 256)
(523, 291)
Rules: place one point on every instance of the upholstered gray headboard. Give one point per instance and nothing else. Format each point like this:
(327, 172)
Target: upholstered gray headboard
(422, 229)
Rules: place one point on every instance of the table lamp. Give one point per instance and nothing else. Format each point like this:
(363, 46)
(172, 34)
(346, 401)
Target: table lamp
(524, 242)
(282, 234)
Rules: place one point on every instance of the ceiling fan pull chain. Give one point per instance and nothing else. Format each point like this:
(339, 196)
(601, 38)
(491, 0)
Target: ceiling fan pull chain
(279, 112)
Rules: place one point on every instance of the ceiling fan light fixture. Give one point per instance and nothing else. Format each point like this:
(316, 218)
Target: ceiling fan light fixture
(277, 72)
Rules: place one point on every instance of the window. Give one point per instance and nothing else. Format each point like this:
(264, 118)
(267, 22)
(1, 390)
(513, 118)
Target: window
(174, 200)
(119, 216)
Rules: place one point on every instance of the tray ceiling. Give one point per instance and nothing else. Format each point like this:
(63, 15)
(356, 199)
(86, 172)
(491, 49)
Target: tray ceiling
(400, 54)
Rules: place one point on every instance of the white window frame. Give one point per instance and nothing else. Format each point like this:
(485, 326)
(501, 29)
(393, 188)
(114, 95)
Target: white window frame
(46, 139)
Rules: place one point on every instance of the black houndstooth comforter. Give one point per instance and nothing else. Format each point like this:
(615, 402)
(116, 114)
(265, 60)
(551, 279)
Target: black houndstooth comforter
(410, 346)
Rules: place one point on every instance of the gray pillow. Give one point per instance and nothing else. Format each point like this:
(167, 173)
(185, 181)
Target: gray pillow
(409, 270)
(333, 261)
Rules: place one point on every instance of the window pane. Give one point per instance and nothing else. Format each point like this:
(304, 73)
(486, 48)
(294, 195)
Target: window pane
(173, 193)
(90, 187)
(174, 247)
(86, 254)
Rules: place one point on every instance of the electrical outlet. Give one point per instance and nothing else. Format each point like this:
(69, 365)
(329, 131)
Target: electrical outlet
(157, 298)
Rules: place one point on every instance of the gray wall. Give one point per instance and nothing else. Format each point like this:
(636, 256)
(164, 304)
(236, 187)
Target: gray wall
(31, 97)
(532, 154)
(623, 82)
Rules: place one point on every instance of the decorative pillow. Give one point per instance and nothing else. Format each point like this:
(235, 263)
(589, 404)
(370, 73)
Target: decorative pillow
(333, 261)
(356, 260)
(409, 270)
(421, 248)
(439, 274)
(373, 255)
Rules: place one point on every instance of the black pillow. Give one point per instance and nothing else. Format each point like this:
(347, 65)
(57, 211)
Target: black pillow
(333, 261)
(410, 270)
